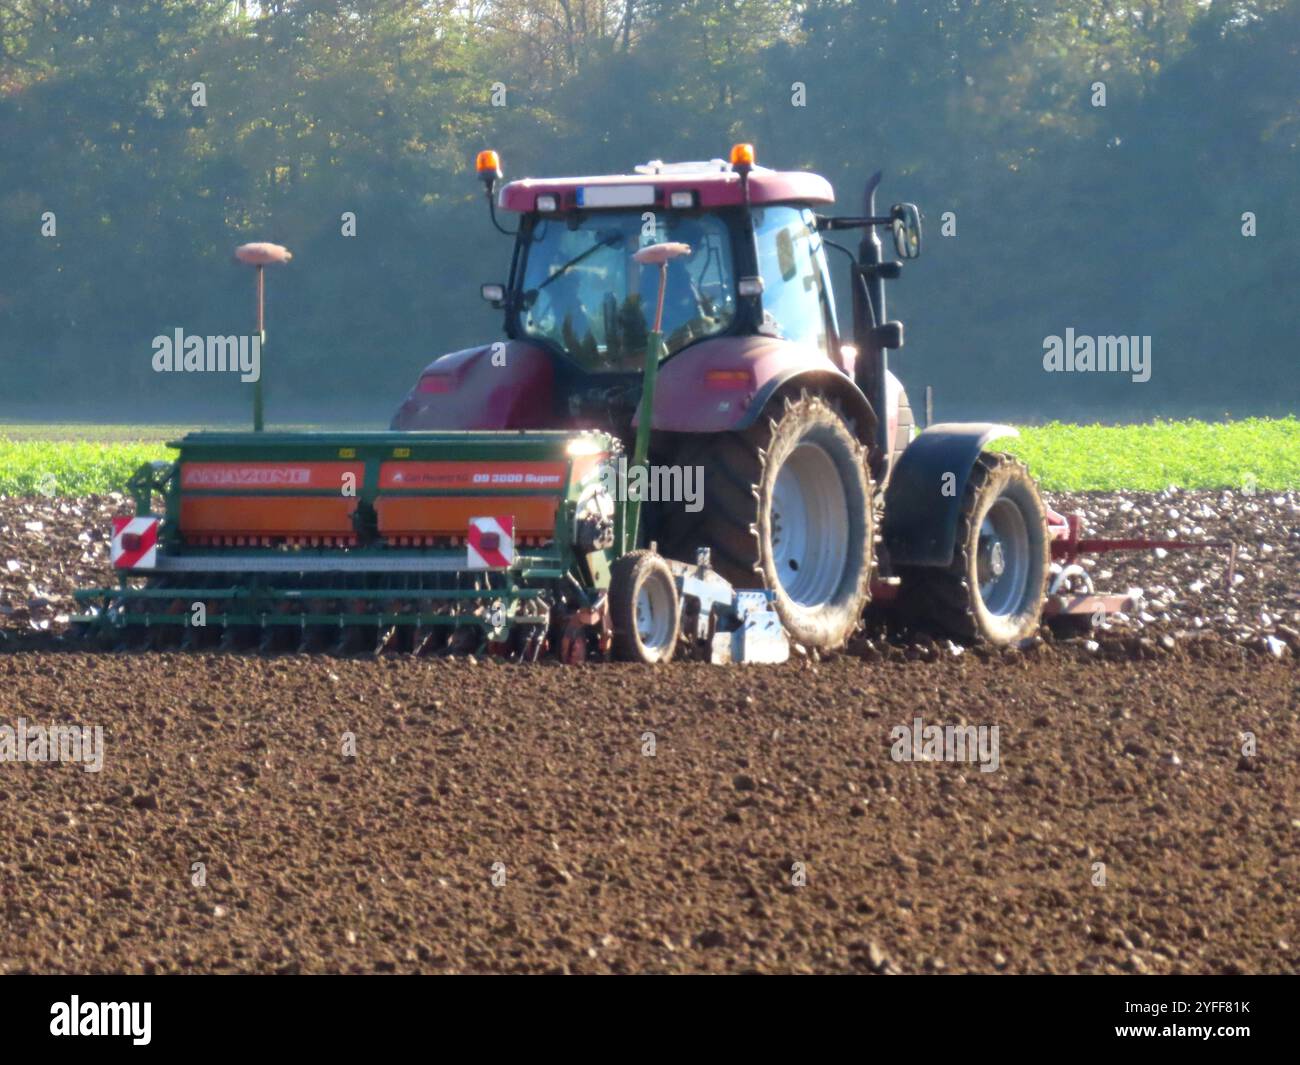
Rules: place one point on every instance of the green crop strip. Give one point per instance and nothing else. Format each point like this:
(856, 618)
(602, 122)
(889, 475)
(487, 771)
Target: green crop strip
(1257, 453)
(71, 467)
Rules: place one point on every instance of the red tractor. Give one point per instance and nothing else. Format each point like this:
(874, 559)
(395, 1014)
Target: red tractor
(815, 484)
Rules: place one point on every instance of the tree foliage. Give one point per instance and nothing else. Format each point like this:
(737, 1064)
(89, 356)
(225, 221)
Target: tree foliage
(1122, 219)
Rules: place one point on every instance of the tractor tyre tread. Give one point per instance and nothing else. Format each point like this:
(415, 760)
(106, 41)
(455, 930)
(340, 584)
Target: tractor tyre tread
(626, 576)
(731, 523)
(942, 598)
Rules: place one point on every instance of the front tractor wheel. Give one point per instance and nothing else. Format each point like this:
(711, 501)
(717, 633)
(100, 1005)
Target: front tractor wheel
(787, 505)
(996, 585)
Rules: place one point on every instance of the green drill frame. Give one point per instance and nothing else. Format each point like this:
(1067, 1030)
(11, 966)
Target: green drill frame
(372, 585)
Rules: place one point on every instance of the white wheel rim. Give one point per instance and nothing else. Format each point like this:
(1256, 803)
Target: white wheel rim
(810, 525)
(1002, 559)
(654, 614)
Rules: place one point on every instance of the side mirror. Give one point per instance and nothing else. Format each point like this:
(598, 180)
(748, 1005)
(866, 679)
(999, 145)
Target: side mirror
(905, 219)
(494, 294)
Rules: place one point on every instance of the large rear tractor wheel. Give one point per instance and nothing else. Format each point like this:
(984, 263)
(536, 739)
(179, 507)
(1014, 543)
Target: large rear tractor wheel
(644, 609)
(996, 585)
(787, 505)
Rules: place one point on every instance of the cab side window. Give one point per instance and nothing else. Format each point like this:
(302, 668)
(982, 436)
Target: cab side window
(794, 283)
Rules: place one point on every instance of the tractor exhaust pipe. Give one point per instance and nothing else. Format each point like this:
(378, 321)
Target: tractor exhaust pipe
(869, 313)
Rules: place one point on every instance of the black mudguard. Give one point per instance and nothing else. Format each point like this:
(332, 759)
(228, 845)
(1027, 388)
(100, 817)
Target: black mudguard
(926, 488)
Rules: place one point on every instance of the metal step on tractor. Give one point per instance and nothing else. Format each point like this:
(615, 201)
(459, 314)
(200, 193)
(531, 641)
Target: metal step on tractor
(673, 445)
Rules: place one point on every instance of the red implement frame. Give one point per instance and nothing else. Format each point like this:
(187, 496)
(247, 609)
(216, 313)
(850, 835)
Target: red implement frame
(1068, 545)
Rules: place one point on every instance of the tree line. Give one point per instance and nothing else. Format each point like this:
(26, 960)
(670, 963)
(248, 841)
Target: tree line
(1115, 169)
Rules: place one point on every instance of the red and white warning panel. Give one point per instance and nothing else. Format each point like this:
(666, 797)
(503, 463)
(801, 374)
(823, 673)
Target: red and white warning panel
(490, 543)
(135, 543)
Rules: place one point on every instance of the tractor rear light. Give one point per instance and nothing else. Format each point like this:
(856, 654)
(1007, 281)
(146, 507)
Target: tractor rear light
(131, 541)
(729, 379)
(436, 383)
(750, 286)
(683, 199)
(549, 204)
(489, 541)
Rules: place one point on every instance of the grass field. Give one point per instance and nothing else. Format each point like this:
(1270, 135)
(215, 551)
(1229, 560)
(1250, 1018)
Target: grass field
(82, 458)
(70, 468)
(1260, 453)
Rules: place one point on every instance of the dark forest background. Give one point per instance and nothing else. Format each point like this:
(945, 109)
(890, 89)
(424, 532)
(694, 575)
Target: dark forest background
(1123, 219)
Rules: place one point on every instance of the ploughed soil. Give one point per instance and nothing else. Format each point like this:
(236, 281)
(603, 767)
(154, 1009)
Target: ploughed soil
(399, 815)
(770, 829)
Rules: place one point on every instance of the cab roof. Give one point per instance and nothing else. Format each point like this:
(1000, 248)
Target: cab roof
(715, 184)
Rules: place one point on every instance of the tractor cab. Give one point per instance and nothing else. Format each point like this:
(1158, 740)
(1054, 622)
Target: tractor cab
(578, 292)
(755, 279)
(577, 289)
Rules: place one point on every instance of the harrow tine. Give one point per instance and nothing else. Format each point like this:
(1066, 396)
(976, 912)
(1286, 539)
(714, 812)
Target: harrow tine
(199, 638)
(533, 644)
(275, 639)
(315, 639)
(424, 640)
(384, 639)
(238, 637)
(303, 646)
(161, 638)
(349, 641)
(464, 640)
(340, 646)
